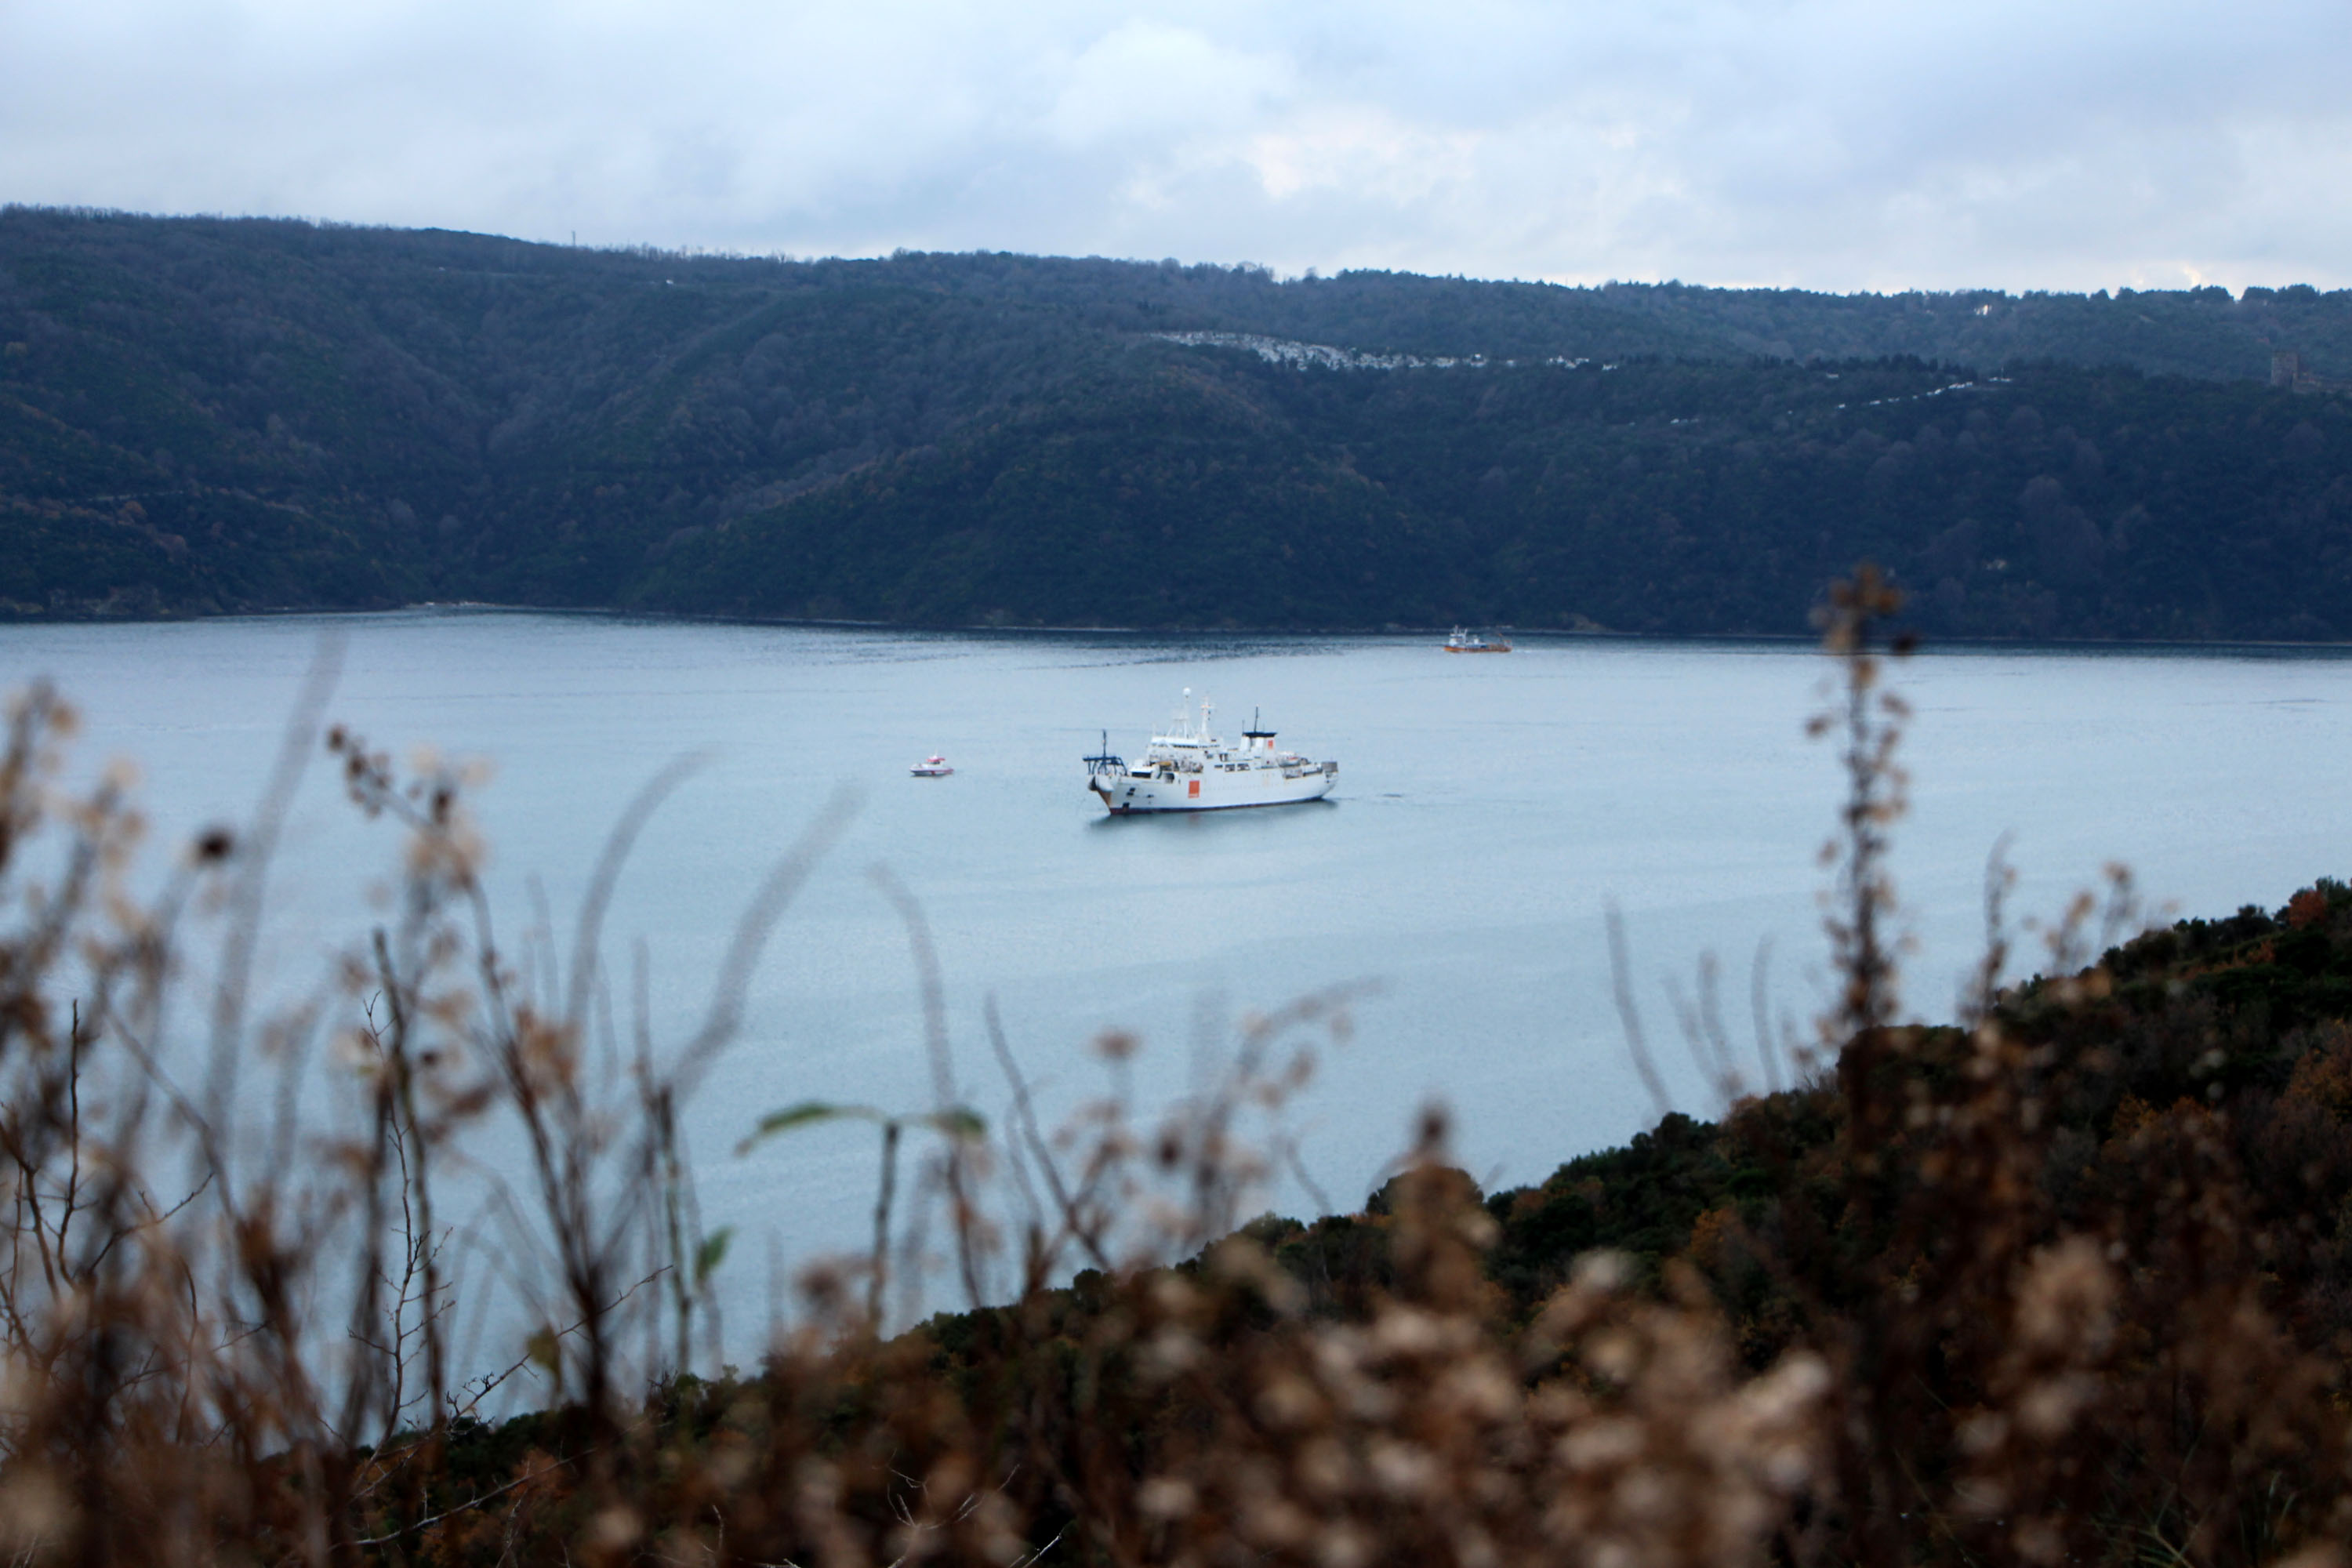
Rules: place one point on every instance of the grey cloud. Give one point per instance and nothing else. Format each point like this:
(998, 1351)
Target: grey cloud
(1823, 143)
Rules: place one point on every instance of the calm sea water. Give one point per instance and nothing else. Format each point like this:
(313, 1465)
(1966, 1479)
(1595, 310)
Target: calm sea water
(1489, 811)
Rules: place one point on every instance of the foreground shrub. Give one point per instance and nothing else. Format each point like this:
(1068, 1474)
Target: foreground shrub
(2065, 1280)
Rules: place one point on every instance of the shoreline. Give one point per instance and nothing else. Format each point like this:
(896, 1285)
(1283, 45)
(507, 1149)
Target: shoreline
(1384, 632)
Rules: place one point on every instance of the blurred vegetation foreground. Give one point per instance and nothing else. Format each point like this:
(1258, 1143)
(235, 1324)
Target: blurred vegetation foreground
(2066, 1280)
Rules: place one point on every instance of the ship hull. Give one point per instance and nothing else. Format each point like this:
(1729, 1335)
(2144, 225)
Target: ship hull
(1213, 791)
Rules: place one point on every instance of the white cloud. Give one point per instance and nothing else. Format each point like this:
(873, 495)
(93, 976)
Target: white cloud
(1363, 149)
(1831, 143)
(1146, 80)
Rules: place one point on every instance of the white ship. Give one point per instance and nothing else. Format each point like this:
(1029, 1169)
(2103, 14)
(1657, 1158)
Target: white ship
(1187, 768)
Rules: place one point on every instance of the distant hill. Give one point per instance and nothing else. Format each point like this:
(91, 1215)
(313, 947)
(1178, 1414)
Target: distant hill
(201, 415)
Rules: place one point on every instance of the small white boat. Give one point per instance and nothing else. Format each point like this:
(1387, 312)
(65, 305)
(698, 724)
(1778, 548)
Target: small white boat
(931, 767)
(1187, 768)
(1460, 641)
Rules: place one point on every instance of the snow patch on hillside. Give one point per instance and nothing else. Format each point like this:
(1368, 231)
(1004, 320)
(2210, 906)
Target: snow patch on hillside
(1300, 356)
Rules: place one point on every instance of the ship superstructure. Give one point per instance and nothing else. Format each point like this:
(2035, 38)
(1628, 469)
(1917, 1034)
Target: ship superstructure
(1187, 768)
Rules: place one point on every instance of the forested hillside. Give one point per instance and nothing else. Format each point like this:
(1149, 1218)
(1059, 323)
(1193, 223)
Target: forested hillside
(199, 416)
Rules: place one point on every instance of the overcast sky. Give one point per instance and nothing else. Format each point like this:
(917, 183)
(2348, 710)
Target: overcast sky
(1822, 143)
